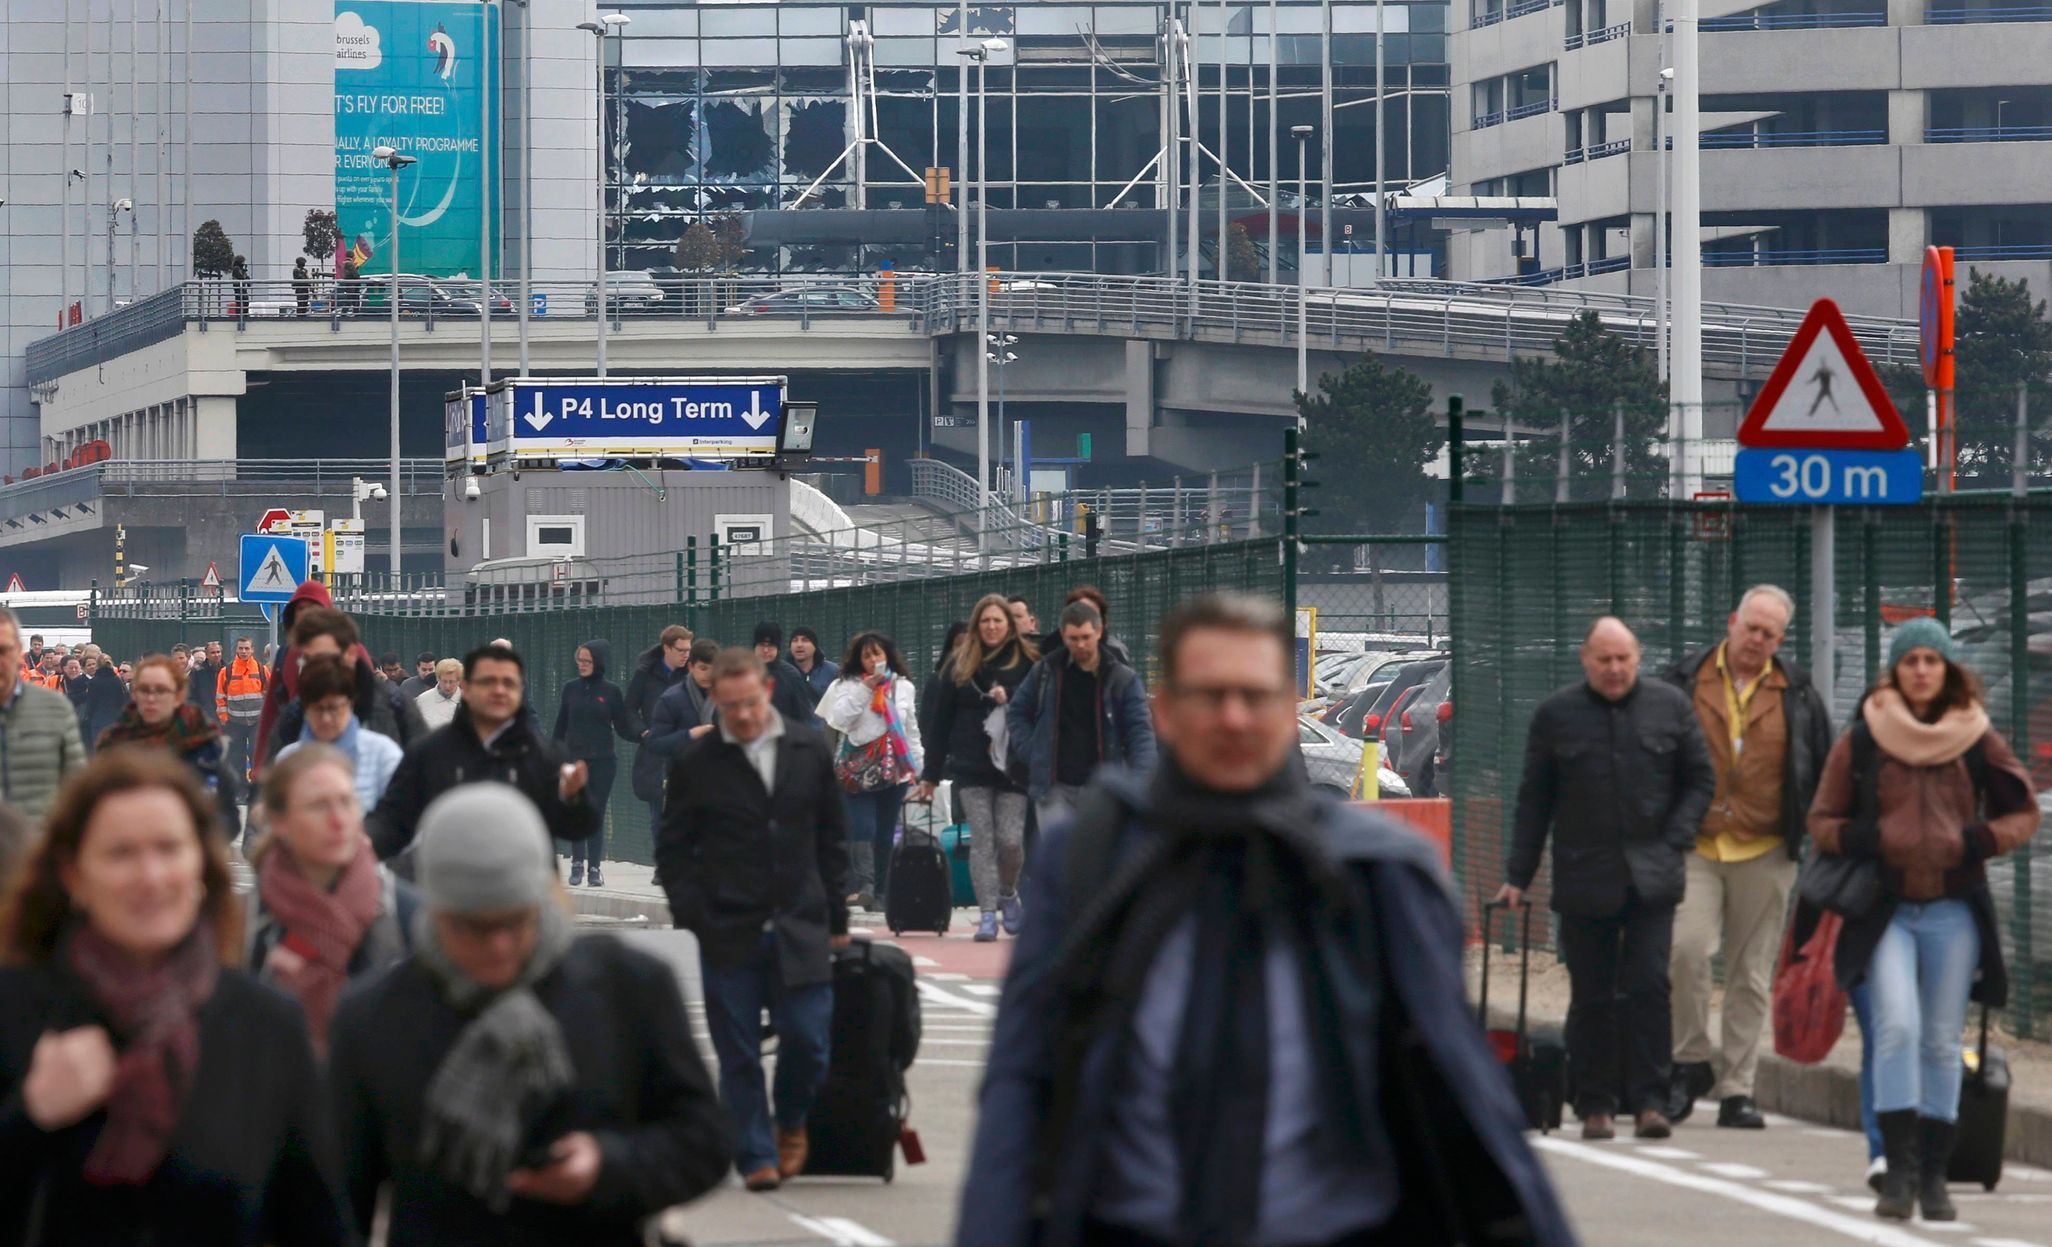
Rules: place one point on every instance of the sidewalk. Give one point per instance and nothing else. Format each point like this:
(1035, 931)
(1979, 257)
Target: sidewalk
(1828, 1092)
(630, 894)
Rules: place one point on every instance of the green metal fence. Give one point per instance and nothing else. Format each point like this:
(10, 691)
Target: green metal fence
(1140, 586)
(1527, 580)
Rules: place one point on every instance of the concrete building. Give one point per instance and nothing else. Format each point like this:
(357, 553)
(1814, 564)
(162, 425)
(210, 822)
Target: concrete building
(1840, 138)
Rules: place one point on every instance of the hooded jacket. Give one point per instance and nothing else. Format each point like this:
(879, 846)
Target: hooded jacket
(453, 756)
(593, 710)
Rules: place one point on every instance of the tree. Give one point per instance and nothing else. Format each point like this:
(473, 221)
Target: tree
(713, 244)
(2002, 340)
(323, 234)
(1374, 433)
(1243, 259)
(1592, 371)
(212, 254)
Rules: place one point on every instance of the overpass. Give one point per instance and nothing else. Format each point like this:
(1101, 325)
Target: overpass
(1191, 376)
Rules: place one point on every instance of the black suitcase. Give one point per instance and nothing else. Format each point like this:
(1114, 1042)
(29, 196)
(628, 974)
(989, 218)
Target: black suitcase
(1983, 1116)
(1536, 1058)
(857, 1122)
(920, 896)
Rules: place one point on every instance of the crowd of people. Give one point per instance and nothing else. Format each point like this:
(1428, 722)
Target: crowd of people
(1677, 808)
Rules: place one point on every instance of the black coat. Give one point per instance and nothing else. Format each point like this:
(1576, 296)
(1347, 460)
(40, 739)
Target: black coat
(790, 692)
(669, 731)
(641, 1091)
(453, 755)
(734, 856)
(106, 697)
(1808, 721)
(252, 1159)
(202, 684)
(957, 747)
(379, 708)
(651, 680)
(1621, 786)
(592, 711)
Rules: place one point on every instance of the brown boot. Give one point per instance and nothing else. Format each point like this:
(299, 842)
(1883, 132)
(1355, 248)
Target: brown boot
(763, 1179)
(1653, 1124)
(792, 1148)
(1597, 1127)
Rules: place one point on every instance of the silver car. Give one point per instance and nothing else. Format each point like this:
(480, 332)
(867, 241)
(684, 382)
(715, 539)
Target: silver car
(1333, 761)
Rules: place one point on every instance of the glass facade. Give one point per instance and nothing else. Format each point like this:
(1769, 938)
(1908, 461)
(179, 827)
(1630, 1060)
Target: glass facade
(732, 108)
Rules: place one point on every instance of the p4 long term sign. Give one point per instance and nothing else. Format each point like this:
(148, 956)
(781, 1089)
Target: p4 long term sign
(667, 417)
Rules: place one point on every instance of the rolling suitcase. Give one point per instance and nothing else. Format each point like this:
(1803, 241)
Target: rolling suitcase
(858, 1122)
(1536, 1058)
(1983, 1115)
(955, 843)
(919, 896)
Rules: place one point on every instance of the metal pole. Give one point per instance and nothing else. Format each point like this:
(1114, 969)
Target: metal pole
(392, 297)
(962, 136)
(484, 211)
(134, 157)
(521, 154)
(1455, 470)
(1381, 208)
(1560, 480)
(1196, 153)
(601, 94)
(2019, 469)
(1303, 274)
(1222, 267)
(112, 216)
(1274, 140)
(1687, 387)
(1325, 133)
(1660, 303)
(1617, 452)
(1823, 595)
(982, 302)
(1171, 149)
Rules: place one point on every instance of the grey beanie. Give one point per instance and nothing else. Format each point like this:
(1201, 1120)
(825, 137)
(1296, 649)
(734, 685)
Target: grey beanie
(484, 849)
(1921, 633)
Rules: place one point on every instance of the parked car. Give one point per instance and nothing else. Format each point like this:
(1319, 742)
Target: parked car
(1332, 761)
(632, 292)
(1419, 728)
(1391, 734)
(809, 301)
(1369, 721)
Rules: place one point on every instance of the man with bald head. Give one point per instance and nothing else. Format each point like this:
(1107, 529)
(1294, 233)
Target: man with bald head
(1616, 772)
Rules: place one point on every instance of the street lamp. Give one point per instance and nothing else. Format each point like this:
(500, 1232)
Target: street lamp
(114, 211)
(1302, 135)
(981, 53)
(395, 161)
(1001, 354)
(599, 29)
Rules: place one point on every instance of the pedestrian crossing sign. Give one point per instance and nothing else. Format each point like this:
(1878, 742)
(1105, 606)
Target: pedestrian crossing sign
(273, 567)
(1823, 395)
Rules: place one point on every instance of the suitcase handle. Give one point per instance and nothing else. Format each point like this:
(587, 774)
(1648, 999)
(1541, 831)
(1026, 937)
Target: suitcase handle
(1981, 1053)
(1524, 962)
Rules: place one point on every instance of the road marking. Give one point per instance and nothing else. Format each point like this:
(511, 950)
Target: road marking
(953, 1001)
(948, 978)
(1745, 1173)
(984, 989)
(2002, 1242)
(1863, 1229)
(1825, 1133)
(958, 1030)
(1669, 1153)
(842, 1231)
(924, 961)
(954, 1043)
(1796, 1187)
(964, 1064)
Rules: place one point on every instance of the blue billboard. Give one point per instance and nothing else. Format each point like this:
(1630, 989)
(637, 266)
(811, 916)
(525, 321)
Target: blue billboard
(417, 76)
(670, 417)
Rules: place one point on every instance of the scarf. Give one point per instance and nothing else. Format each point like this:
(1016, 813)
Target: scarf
(1906, 738)
(154, 1014)
(508, 1067)
(187, 729)
(884, 705)
(324, 926)
(701, 700)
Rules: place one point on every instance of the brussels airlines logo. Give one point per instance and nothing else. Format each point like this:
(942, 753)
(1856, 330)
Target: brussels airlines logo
(444, 49)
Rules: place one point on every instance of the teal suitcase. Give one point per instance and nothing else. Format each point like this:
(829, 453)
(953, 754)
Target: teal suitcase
(955, 844)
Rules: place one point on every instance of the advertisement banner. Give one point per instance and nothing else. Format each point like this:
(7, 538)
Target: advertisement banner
(691, 417)
(418, 76)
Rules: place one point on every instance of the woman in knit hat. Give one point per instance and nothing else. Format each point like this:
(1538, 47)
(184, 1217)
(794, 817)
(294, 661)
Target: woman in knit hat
(513, 1082)
(1922, 786)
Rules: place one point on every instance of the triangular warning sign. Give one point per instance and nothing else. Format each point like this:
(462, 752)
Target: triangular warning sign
(1823, 395)
(14, 584)
(272, 572)
(212, 580)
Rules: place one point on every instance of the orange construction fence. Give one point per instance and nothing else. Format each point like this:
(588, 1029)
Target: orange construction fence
(1431, 817)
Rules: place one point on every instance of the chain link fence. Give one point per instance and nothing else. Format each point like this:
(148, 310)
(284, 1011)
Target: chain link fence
(1527, 580)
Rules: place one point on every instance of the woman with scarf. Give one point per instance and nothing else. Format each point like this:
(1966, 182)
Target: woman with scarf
(327, 693)
(873, 706)
(516, 1084)
(324, 910)
(148, 1090)
(990, 661)
(591, 711)
(1924, 789)
(158, 714)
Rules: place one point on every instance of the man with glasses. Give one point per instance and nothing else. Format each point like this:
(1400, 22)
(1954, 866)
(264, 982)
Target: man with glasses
(1213, 1028)
(660, 668)
(753, 854)
(488, 739)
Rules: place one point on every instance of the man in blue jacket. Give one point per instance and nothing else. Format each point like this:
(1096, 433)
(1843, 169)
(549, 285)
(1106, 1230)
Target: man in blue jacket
(1077, 710)
(1236, 1014)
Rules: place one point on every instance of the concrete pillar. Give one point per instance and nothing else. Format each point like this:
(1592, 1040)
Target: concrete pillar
(213, 426)
(1908, 235)
(1645, 230)
(1905, 118)
(1139, 395)
(1906, 12)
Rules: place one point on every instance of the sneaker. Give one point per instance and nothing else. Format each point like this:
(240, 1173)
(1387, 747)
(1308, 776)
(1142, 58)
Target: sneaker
(986, 930)
(1012, 911)
(576, 874)
(595, 879)
(1877, 1169)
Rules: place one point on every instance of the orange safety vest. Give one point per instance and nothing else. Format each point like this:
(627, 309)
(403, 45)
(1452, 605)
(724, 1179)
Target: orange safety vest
(239, 691)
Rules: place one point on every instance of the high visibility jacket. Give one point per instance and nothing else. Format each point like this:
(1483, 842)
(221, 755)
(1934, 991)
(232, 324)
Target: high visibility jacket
(239, 691)
(53, 681)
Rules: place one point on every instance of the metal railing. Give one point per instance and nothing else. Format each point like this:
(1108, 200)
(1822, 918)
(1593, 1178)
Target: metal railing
(2009, 251)
(1597, 151)
(1793, 21)
(1534, 109)
(1590, 38)
(1972, 14)
(1755, 139)
(1765, 256)
(33, 501)
(1987, 134)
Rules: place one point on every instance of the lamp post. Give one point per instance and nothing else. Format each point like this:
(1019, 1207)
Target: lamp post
(1303, 135)
(114, 211)
(394, 161)
(521, 153)
(980, 54)
(485, 205)
(599, 29)
(999, 352)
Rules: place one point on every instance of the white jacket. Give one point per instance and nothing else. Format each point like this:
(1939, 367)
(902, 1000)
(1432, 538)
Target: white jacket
(846, 710)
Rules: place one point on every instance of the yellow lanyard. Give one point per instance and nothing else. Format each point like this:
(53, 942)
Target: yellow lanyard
(1736, 702)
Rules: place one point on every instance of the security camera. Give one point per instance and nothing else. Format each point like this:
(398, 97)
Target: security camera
(138, 568)
(471, 492)
(79, 174)
(124, 204)
(379, 493)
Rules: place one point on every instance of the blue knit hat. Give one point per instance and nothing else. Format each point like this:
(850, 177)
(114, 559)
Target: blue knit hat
(1923, 633)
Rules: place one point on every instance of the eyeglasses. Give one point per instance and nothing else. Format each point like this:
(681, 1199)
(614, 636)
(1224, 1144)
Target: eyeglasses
(471, 927)
(495, 681)
(155, 690)
(1215, 700)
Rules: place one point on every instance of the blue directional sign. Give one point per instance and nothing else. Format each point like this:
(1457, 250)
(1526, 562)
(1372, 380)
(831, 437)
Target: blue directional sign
(1850, 477)
(707, 417)
(273, 567)
(465, 418)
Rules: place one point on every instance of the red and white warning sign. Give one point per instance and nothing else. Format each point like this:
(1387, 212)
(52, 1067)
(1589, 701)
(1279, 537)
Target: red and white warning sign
(1823, 395)
(212, 580)
(14, 584)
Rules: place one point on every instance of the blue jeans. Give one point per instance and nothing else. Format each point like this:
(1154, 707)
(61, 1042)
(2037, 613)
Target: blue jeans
(1863, 1012)
(873, 820)
(1918, 982)
(802, 1018)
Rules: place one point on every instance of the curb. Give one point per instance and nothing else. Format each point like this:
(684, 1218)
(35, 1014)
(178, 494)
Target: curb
(621, 907)
(1829, 1095)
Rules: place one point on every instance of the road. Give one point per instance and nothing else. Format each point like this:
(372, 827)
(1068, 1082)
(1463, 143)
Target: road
(1792, 1185)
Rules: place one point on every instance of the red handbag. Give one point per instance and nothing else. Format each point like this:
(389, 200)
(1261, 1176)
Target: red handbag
(1809, 1005)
